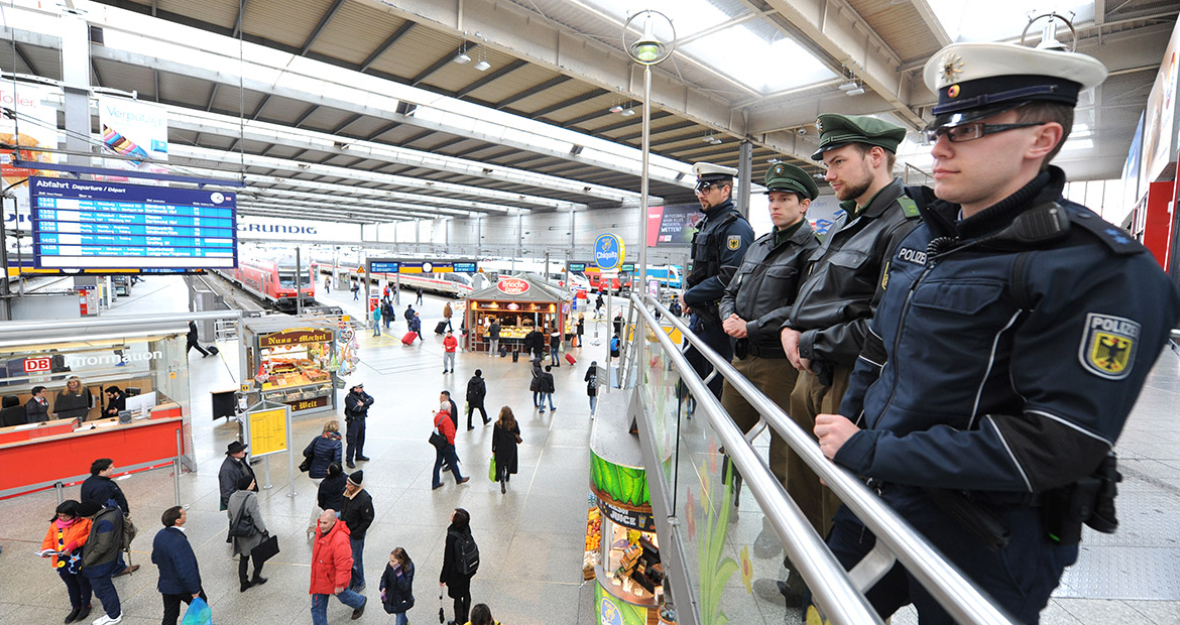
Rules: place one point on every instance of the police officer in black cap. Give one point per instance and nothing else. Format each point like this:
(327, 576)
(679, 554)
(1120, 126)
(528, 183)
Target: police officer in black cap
(1016, 331)
(717, 249)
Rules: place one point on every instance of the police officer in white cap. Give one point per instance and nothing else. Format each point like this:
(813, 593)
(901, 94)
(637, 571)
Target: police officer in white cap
(717, 249)
(1008, 348)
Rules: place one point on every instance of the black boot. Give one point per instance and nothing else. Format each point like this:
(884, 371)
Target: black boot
(72, 615)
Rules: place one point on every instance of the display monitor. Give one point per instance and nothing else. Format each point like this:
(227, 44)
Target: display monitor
(139, 405)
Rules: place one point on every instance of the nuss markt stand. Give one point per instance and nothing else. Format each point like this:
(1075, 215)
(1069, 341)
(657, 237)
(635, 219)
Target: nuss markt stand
(520, 302)
(292, 361)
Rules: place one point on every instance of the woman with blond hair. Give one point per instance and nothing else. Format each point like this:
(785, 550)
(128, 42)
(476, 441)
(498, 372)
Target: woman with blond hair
(322, 451)
(505, 438)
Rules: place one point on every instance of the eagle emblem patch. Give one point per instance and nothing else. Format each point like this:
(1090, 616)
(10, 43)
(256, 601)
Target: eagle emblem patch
(1108, 346)
(733, 242)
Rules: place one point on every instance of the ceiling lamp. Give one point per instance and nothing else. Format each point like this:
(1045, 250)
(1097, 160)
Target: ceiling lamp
(628, 112)
(618, 108)
(483, 65)
(462, 58)
(859, 90)
(848, 85)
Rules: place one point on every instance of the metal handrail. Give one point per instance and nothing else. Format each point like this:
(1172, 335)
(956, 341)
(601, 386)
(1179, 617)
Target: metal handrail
(841, 602)
(960, 597)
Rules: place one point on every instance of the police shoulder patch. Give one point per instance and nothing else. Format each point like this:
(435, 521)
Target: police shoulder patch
(733, 242)
(1108, 345)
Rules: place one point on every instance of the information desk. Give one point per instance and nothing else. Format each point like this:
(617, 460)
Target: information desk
(52, 453)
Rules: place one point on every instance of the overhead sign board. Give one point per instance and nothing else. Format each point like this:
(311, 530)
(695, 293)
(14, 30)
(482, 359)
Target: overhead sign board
(608, 251)
(108, 225)
(512, 286)
(576, 267)
(423, 266)
(627, 267)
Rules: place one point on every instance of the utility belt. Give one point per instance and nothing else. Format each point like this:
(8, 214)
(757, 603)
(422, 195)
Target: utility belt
(348, 418)
(746, 347)
(1089, 501)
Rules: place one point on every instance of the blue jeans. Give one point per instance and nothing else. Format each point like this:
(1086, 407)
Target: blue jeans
(358, 562)
(547, 396)
(553, 356)
(402, 619)
(593, 404)
(448, 454)
(376, 328)
(319, 605)
(104, 589)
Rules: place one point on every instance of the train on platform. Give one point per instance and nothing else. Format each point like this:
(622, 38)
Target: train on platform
(456, 285)
(274, 281)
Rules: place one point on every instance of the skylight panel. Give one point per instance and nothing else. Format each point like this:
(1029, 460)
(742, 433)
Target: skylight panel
(741, 54)
(968, 20)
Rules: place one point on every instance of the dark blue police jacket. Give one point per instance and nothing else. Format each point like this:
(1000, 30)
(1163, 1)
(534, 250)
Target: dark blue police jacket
(1010, 360)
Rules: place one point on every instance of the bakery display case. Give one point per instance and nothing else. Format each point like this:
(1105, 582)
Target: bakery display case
(290, 361)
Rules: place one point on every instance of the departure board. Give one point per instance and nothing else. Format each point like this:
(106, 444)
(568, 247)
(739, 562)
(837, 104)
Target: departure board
(81, 224)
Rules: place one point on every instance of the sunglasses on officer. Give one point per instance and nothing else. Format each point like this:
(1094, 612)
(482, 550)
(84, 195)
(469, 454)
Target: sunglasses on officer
(704, 186)
(971, 131)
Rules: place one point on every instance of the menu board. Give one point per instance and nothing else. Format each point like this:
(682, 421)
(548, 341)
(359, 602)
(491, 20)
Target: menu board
(106, 225)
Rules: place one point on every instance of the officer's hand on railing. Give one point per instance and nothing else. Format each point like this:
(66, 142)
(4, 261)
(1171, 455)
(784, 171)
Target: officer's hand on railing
(683, 305)
(790, 339)
(833, 431)
(734, 326)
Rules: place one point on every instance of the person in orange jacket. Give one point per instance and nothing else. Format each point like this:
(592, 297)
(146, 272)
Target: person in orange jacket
(63, 544)
(331, 570)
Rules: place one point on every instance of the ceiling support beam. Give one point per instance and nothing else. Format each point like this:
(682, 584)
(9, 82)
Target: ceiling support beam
(319, 28)
(302, 118)
(261, 104)
(935, 25)
(578, 99)
(382, 130)
(237, 21)
(386, 45)
(25, 59)
(212, 97)
(441, 63)
(495, 75)
(535, 89)
(346, 123)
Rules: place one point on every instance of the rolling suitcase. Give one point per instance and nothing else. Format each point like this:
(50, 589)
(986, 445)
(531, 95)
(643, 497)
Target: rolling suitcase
(503, 351)
(409, 338)
(441, 327)
(515, 355)
(213, 351)
(570, 359)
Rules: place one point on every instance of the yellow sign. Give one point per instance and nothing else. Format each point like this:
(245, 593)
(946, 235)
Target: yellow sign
(268, 432)
(298, 336)
(245, 388)
(171, 375)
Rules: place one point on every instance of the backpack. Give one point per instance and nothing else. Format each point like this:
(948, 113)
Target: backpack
(129, 534)
(468, 553)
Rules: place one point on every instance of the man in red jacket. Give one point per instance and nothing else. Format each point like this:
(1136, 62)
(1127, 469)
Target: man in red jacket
(445, 452)
(331, 570)
(450, 344)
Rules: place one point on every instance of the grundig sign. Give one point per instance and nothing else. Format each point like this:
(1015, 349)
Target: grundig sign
(297, 336)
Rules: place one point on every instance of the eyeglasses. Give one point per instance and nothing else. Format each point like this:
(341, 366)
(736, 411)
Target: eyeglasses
(972, 131)
(703, 187)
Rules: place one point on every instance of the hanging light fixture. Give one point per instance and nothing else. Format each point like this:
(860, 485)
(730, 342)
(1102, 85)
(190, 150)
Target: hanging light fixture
(483, 64)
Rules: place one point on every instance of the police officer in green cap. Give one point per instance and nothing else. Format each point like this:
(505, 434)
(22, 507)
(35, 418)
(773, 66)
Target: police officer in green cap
(826, 327)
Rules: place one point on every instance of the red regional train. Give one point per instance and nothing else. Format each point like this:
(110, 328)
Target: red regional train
(274, 281)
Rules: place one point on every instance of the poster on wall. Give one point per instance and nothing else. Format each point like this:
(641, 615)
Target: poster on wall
(134, 129)
(672, 226)
(35, 126)
(1131, 169)
(1159, 131)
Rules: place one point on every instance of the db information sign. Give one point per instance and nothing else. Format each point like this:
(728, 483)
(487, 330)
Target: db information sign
(512, 286)
(608, 251)
(38, 365)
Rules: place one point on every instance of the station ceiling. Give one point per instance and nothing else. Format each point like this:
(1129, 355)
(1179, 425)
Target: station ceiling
(558, 62)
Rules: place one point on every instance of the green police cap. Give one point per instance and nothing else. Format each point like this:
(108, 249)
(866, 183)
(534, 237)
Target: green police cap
(837, 131)
(784, 177)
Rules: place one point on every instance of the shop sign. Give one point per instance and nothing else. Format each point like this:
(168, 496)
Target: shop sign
(308, 404)
(38, 365)
(298, 336)
(112, 359)
(608, 251)
(512, 286)
(627, 518)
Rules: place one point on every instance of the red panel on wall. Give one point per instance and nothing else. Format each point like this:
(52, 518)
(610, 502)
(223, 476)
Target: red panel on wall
(1157, 228)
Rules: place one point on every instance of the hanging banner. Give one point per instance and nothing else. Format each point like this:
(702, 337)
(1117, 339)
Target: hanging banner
(35, 127)
(672, 226)
(134, 129)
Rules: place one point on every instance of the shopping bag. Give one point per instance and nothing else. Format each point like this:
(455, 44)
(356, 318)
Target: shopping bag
(198, 613)
(492, 469)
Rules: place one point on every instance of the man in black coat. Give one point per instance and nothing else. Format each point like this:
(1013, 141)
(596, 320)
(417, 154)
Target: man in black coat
(37, 408)
(476, 391)
(233, 468)
(101, 489)
(357, 514)
(356, 410)
(191, 341)
(116, 401)
(180, 577)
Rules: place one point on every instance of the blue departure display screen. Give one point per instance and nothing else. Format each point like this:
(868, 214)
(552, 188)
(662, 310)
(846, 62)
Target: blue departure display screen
(81, 224)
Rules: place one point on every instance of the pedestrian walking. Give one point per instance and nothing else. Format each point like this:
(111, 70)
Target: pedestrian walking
(535, 383)
(494, 338)
(505, 438)
(388, 314)
(63, 544)
(534, 343)
(180, 576)
(447, 312)
(547, 389)
(417, 327)
(233, 469)
(555, 346)
(445, 450)
(376, 320)
(445, 396)
(598, 303)
(481, 614)
(247, 530)
(615, 344)
(618, 324)
(191, 341)
(356, 291)
(330, 495)
(356, 410)
(331, 570)
(357, 511)
(450, 346)
(327, 284)
(323, 451)
(581, 328)
(591, 380)
(100, 556)
(477, 389)
(460, 562)
(409, 317)
(419, 300)
(397, 585)
(104, 491)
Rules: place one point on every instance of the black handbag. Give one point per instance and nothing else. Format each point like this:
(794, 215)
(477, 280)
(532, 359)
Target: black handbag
(265, 550)
(437, 439)
(305, 466)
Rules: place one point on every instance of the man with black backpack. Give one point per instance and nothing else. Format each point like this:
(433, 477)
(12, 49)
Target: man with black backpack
(460, 562)
(100, 560)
